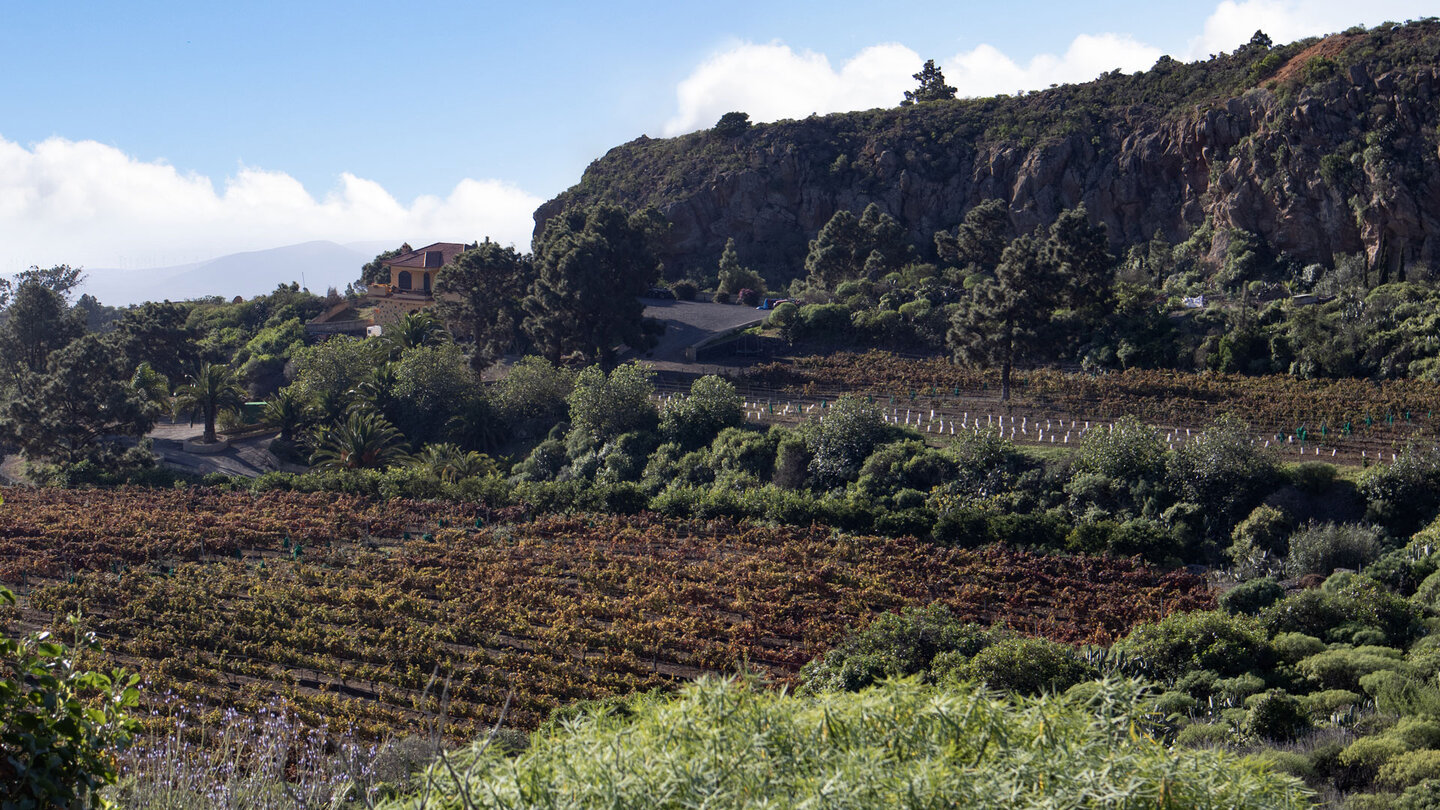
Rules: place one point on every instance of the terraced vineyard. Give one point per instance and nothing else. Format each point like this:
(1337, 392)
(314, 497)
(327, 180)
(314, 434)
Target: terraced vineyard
(1360, 420)
(345, 607)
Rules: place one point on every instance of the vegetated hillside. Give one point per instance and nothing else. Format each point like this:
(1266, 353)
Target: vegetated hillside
(1322, 147)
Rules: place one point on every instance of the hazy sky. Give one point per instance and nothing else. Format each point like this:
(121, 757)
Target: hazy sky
(154, 133)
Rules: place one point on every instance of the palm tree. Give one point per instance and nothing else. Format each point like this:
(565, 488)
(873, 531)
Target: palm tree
(364, 440)
(414, 330)
(477, 425)
(287, 411)
(448, 462)
(379, 388)
(154, 385)
(211, 390)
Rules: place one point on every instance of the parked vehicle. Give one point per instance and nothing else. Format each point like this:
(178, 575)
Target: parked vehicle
(662, 293)
(771, 303)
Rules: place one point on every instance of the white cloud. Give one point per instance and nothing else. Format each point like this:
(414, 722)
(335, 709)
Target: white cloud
(86, 203)
(985, 71)
(772, 81)
(1233, 23)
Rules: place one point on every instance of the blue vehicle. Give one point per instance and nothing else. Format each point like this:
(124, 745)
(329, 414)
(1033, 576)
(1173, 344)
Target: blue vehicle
(771, 303)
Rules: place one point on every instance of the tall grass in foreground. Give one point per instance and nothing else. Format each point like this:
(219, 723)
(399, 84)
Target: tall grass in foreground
(727, 744)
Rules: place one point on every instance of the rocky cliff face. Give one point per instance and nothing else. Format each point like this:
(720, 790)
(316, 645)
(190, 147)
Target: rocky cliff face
(1321, 148)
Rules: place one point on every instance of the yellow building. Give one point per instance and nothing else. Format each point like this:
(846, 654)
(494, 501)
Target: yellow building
(412, 280)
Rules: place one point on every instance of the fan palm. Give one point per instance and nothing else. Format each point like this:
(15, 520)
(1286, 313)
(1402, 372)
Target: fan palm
(211, 390)
(364, 440)
(477, 425)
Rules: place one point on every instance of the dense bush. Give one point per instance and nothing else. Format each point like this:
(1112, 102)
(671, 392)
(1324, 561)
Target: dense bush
(1359, 605)
(1275, 715)
(1209, 640)
(899, 745)
(1404, 495)
(1026, 666)
(896, 644)
(1252, 596)
(1320, 549)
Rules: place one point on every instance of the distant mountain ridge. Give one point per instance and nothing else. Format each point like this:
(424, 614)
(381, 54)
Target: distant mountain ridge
(1321, 148)
(317, 265)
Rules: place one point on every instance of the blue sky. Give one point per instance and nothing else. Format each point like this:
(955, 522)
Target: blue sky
(159, 132)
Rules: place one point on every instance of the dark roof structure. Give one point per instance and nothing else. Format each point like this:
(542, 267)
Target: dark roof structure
(430, 257)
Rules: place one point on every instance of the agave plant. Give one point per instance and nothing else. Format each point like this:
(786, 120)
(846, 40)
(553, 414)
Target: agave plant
(365, 440)
(211, 390)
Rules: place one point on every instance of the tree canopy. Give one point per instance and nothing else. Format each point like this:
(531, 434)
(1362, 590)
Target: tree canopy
(593, 265)
(480, 296)
(932, 86)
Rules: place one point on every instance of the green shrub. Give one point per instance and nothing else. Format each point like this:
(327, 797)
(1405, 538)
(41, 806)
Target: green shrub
(1205, 735)
(1370, 753)
(1294, 763)
(1404, 495)
(726, 745)
(60, 725)
(1291, 647)
(1360, 604)
(1409, 768)
(1259, 542)
(1314, 477)
(1235, 690)
(1251, 597)
(1028, 666)
(1326, 703)
(1370, 801)
(1275, 715)
(1199, 683)
(1428, 594)
(1173, 703)
(1423, 795)
(825, 321)
(1417, 732)
(684, 290)
(1320, 549)
(1214, 640)
(1343, 668)
(903, 643)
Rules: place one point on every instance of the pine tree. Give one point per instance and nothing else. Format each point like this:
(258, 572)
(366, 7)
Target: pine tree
(481, 293)
(592, 265)
(1000, 323)
(733, 276)
(78, 406)
(979, 240)
(932, 86)
(844, 248)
